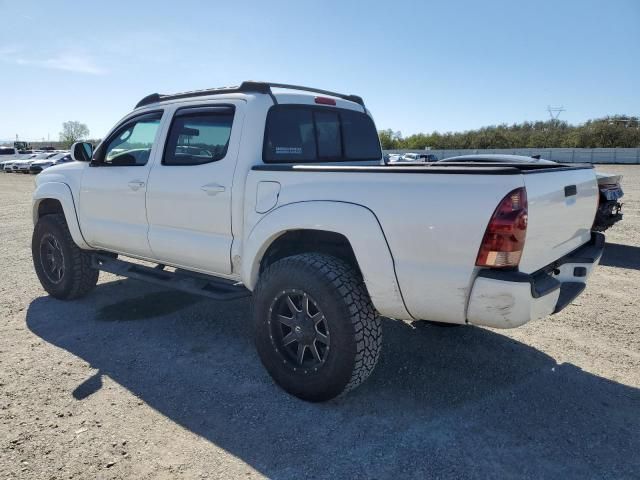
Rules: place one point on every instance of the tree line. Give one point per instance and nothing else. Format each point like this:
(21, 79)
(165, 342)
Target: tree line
(607, 132)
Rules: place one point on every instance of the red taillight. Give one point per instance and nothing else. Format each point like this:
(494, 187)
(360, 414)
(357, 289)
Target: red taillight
(503, 240)
(325, 101)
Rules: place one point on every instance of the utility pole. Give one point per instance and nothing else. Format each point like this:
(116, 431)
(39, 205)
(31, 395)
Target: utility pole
(554, 112)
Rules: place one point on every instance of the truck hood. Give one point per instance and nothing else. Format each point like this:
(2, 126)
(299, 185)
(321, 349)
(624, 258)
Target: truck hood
(69, 173)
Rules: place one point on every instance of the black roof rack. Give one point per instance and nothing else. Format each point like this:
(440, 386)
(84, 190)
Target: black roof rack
(245, 87)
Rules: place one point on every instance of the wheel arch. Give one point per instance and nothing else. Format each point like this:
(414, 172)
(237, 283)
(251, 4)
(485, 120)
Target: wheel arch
(56, 197)
(327, 226)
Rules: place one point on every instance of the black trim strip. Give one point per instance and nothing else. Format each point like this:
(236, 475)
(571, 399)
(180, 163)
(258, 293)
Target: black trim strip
(280, 167)
(541, 283)
(460, 168)
(568, 293)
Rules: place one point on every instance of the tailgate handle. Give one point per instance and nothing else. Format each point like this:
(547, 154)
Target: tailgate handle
(570, 190)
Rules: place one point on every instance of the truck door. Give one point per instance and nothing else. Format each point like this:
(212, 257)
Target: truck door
(189, 194)
(112, 196)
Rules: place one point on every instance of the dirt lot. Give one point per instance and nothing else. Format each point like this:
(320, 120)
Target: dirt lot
(135, 382)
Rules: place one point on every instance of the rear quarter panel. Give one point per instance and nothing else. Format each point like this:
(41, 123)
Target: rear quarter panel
(433, 224)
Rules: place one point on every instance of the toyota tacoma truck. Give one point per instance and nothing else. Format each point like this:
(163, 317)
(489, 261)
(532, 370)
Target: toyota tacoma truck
(277, 191)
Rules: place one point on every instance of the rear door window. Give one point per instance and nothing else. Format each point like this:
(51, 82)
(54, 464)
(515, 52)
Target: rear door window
(199, 135)
(307, 134)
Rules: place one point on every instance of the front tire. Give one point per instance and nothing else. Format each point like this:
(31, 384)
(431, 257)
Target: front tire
(64, 270)
(316, 331)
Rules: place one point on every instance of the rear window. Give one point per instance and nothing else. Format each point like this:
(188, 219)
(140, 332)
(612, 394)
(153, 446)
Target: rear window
(7, 151)
(307, 134)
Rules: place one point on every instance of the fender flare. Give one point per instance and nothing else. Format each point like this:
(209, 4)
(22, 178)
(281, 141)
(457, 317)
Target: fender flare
(61, 192)
(355, 222)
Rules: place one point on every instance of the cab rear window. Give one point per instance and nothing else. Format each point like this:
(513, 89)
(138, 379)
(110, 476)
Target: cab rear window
(308, 134)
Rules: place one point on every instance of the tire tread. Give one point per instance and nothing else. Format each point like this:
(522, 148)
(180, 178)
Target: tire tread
(83, 277)
(346, 280)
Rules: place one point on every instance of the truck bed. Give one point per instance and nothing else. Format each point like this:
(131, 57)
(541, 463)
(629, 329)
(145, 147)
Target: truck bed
(434, 217)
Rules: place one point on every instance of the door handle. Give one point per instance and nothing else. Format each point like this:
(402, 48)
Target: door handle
(212, 188)
(136, 185)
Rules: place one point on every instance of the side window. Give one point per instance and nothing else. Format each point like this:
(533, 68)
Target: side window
(198, 135)
(131, 144)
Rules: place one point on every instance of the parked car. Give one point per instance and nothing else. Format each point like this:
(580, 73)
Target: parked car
(8, 166)
(14, 165)
(59, 158)
(292, 206)
(610, 186)
(23, 166)
(410, 158)
(7, 155)
(419, 157)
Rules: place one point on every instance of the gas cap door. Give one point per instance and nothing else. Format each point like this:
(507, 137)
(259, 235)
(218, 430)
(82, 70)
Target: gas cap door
(267, 196)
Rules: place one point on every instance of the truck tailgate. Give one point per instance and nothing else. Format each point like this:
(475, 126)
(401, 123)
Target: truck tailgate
(562, 206)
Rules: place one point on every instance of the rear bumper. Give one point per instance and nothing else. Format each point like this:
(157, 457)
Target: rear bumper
(508, 299)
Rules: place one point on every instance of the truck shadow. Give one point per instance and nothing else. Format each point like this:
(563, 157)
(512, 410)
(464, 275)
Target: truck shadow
(621, 256)
(446, 402)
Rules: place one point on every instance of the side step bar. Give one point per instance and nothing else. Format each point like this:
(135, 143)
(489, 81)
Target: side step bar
(199, 284)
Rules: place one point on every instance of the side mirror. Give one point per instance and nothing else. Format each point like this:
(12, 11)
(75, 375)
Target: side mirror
(82, 151)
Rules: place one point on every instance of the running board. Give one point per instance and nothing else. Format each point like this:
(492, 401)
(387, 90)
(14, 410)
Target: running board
(197, 283)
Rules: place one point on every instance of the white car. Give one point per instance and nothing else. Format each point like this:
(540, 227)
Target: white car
(7, 156)
(284, 198)
(59, 158)
(22, 166)
(412, 158)
(419, 157)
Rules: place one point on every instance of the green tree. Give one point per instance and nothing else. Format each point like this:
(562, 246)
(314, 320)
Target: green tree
(390, 140)
(73, 131)
(611, 131)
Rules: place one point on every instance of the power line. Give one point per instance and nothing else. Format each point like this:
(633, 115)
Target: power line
(554, 112)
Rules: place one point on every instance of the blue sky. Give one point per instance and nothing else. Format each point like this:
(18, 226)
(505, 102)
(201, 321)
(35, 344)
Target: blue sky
(420, 66)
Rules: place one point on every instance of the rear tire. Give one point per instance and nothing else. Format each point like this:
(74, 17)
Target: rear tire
(318, 305)
(64, 270)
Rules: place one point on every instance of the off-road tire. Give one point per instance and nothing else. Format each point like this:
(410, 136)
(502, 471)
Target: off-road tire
(78, 278)
(354, 325)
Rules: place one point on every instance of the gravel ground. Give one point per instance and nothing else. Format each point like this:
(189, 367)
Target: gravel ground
(136, 382)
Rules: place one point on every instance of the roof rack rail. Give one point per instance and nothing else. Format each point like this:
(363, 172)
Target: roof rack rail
(245, 87)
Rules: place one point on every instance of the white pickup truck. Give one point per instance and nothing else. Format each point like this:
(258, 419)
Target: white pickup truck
(278, 191)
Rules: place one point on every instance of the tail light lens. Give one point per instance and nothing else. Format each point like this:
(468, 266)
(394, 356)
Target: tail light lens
(503, 240)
